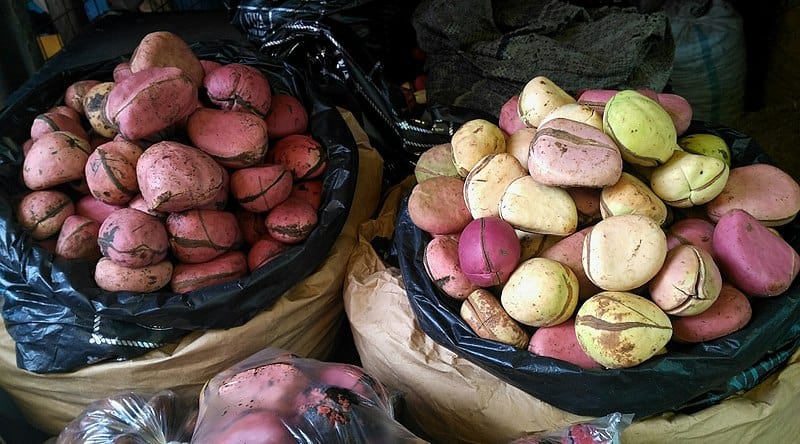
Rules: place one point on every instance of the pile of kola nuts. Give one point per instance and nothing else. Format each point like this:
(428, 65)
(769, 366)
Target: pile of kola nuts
(595, 231)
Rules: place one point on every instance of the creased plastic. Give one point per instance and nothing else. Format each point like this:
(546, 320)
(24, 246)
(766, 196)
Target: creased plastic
(52, 308)
(687, 378)
(275, 396)
(328, 39)
(605, 430)
(130, 417)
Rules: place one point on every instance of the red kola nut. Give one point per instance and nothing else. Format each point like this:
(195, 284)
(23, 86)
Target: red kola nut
(122, 71)
(239, 87)
(488, 251)
(259, 189)
(309, 191)
(111, 172)
(251, 225)
(291, 221)
(264, 250)
(133, 239)
(49, 122)
(286, 116)
(300, 154)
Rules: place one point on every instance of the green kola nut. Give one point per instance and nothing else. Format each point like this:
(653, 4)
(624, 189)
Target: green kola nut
(642, 129)
(689, 179)
(707, 145)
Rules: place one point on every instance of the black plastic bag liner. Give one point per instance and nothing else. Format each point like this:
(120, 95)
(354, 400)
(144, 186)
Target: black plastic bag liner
(55, 312)
(689, 377)
(338, 41)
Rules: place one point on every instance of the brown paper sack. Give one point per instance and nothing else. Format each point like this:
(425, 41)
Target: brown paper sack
(454, 401)
(305, 321)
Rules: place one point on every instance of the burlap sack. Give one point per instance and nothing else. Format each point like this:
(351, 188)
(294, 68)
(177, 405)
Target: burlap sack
(455, 401)
(304, 321)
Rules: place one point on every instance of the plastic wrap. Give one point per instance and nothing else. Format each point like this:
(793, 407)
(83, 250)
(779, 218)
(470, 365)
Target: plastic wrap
(59, 318)
(134, 418)
(605, 430)
(277, 397)
(688, 378)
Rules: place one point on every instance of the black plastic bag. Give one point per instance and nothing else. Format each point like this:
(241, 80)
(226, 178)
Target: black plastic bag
(348, 44)
(689, 377)
(55, 312)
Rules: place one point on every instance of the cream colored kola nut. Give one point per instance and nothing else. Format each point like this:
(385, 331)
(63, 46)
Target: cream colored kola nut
(538, 98)
(518, 144)
(530, 206)
(688, 179)
(577, 112)
(541, 293)
(487, 181)
(643, 130)
(472, 141)
(487, 318)
(632, 196)
(622, 253)
(621, 329)
(688, 283)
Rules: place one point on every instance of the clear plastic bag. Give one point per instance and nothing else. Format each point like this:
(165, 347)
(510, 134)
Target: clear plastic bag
(605, 430)
(134, 418)
(277, 397)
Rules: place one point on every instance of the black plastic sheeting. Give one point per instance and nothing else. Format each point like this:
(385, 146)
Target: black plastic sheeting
(55, 312)
(348, 45)
(688, 378)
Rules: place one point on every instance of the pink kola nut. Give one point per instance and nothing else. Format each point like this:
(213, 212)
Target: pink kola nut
(443, 268)
(122, 71)
(693, 231)
(754, 259)
(66, 112)
(561, 342)
(197, 236)
(509, 120)
(55, 158)
(309, 191)
(729, 313)
(220, 201)
(138, 203)
(488, 251)
(239, 87)
(78, 238)
(44, 212)
(234, 139)
(263, 251)
(149, 101)
(437, 205)
(188, 277)
(175, 177)
(73, 96)
(95, 209)
(678, 109)
(49, 122)
(111, 172)
(286, 116)
(251, 225)
(301, 154)
(568, 153)
(208, 66)
(765, 191)
(259, 189)
(568, 251)
(133, 239)
(291, 222)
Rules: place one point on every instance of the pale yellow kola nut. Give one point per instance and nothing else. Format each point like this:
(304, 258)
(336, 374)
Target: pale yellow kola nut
(538, 98)
(621, 329)
(486, 317)
(622, 253)
(487, 181)
(94, 107)
(689, 179)
(577, 112)
(533, 244)
(518, 144)
(632, 196)
(472, 141)
(540, 293)
(530, 206)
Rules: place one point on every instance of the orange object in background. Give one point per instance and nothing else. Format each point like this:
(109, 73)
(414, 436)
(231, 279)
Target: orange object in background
(49, 44)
